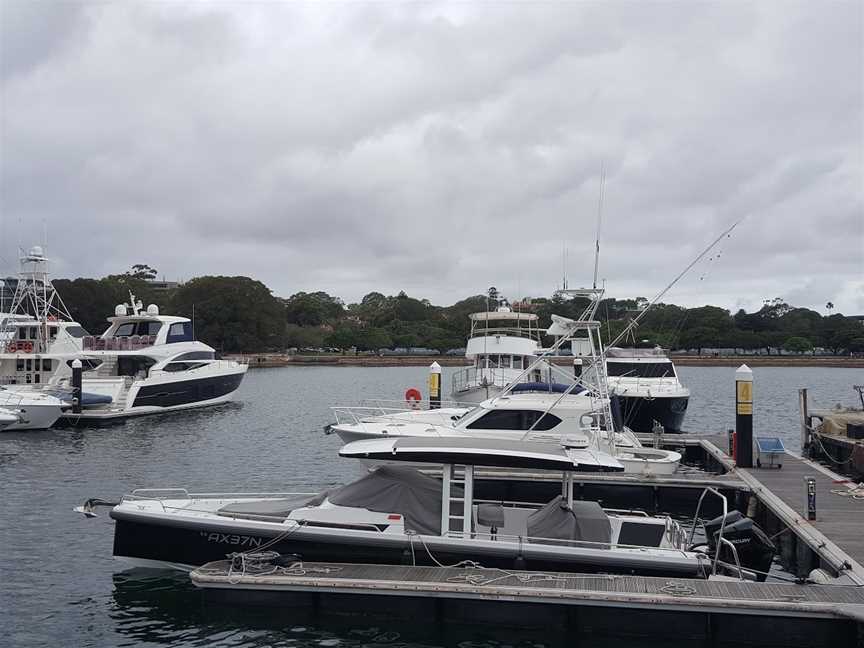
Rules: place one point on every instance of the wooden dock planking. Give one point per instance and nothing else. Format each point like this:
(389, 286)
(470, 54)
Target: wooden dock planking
(724, 596)
(839, 518)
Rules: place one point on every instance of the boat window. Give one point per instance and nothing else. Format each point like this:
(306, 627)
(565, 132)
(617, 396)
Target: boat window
(76, 331)
(125, 330)
(182, 366)
(22, 332)
(19, 365)
(196, 355)
(34, 333)
(52, 332)
(29, 364)
(134, 365)
(640, 369)
(46, 365)
(514, 420)
(149, 328)
(180, 332)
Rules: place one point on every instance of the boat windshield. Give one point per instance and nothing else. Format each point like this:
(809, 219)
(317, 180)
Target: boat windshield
(640, 369)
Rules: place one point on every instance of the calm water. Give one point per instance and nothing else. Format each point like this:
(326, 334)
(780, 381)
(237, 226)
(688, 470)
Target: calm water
(59, 585)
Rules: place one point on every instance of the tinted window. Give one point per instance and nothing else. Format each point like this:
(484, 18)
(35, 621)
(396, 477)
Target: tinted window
(125, 330)
(149, 328)
(76, 331)
(514, 420)
(46, 365)
(180, 332)
(640, 369)
(182, 366)
(195, 355)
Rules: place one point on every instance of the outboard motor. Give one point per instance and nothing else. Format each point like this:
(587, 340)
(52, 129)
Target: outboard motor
(755, 549)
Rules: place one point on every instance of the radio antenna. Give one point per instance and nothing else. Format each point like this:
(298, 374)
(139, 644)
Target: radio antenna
(599, 220)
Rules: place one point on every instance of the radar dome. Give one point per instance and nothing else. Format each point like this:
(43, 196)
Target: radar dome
(120, 310)
(36, 251)
(152, 309)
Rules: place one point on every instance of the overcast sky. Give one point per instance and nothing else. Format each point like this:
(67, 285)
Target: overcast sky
(441, 148)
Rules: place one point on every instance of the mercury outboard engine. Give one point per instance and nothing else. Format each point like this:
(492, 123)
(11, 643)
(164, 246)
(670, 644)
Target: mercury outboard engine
(755, 549)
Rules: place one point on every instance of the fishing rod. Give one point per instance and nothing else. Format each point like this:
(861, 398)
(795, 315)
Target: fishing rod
(659, 295)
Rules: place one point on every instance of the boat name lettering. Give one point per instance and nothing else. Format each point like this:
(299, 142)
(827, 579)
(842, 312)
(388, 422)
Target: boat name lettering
(232, 539)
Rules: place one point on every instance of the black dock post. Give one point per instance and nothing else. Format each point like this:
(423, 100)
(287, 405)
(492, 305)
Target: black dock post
(77, 379)
(744, 417)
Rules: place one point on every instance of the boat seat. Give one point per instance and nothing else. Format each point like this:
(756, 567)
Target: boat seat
(270, 510)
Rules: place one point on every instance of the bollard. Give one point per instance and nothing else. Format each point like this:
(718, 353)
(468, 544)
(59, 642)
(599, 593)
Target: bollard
(744, 417)
(577, 368)
(810, 483)
(77, 379)
(434, 386)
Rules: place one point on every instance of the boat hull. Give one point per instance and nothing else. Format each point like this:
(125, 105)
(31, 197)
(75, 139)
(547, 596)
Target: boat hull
(39, 417)
(640, 412)
(188, 544)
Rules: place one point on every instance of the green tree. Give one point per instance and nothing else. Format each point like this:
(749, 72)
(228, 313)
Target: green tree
(797, 344)
(233, 314)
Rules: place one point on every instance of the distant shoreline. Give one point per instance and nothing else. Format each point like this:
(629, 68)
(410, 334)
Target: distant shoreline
(265, 360)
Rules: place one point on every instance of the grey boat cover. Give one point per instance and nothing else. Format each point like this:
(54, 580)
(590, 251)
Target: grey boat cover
(587, 521)
(270, 510)
(396, 489)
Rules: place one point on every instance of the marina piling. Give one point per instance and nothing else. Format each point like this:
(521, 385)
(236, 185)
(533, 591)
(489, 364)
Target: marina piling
(434, 386)
(77, 380)
(744, 417)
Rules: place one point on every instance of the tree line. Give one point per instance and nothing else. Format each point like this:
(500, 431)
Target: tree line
(240, 314)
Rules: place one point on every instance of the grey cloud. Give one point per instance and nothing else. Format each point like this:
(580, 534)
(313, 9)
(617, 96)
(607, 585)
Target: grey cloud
(442, 148)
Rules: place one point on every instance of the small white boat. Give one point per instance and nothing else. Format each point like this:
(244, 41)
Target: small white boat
(31, 410)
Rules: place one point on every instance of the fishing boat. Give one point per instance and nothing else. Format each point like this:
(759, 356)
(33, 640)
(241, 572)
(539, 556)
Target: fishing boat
(581, 414)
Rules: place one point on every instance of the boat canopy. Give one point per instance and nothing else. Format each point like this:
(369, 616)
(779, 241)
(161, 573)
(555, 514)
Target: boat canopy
(397, 489)
(482, 452)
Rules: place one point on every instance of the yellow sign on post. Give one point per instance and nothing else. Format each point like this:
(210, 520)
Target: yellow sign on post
(745, 391)
(745, 408)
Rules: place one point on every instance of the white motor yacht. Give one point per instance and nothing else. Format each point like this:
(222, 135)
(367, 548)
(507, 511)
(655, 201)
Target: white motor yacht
(148, 363)
(501, 345)
(648, 388)
(144, 363)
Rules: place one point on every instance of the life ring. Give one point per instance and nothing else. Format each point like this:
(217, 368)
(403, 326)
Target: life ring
(413, 397)
(26, 346)
(12, 347)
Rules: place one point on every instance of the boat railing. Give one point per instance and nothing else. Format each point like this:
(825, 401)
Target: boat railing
(715, 492)
(361, 416)
(472, 377)
(181, 493)
(481, 331)
(125, 343)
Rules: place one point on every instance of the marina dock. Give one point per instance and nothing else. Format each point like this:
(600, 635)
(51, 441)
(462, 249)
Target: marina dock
(827, 609)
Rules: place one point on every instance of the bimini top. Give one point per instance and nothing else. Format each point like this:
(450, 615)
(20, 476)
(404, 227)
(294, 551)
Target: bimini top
(483, 452)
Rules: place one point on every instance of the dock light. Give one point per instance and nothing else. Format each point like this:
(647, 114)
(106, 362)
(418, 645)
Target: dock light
(810, 483)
